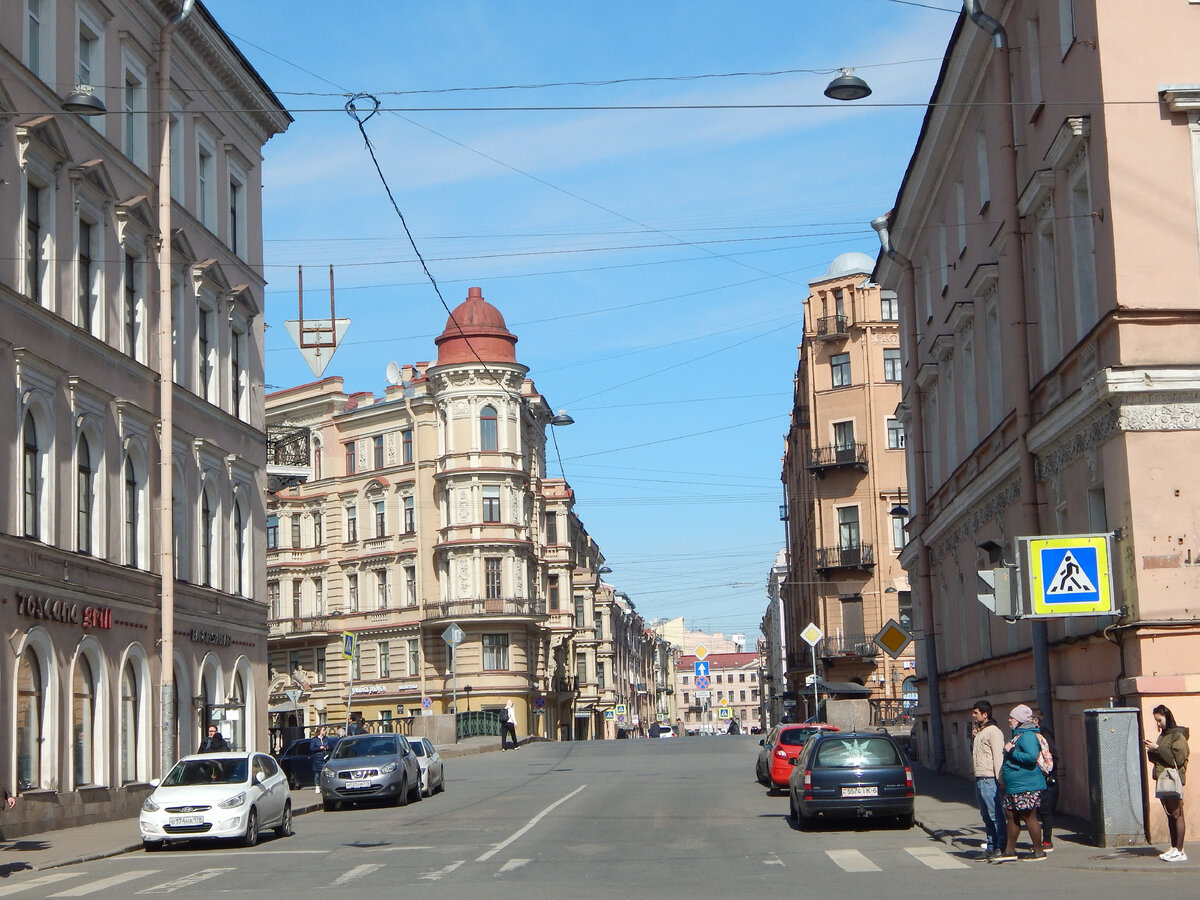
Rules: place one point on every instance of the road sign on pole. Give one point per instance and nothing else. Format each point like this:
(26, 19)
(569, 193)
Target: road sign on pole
(700, 667)
(893, 638)
(1068, 575)
(812, 636)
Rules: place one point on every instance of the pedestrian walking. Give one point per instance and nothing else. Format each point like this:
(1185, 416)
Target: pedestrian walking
(508, 726)
(320, 753)
(1049, 804)
(214, 743)
(987, 756)
(1024, 782)
(1169, 753)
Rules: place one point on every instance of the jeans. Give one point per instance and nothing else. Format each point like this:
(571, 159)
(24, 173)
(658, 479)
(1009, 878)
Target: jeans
(991, 809)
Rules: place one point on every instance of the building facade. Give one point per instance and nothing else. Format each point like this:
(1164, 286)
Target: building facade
(131, 573)
(733, 686)
(430, 508)
(844, 493)
(1051, 377)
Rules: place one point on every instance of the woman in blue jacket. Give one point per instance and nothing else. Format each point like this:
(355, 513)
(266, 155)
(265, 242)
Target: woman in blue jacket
(1024, 782)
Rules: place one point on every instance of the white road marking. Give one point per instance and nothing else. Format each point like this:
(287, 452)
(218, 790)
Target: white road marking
(438, 874)
(168, 887)
(513, 864)
(356, 872)
(520, 831)
(392, 849)
(17, 887)
(103, 883)
(773, 862)
(936, 858)
(852, 861)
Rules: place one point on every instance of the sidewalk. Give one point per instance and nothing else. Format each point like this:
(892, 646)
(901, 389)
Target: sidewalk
(68, 846)
(946, 809)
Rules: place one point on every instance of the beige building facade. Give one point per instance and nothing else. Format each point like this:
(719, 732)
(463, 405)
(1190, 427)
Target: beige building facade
(845, 486)
(128, 629)
(1050, 324)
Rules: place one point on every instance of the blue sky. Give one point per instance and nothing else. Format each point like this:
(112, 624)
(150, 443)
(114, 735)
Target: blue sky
(652, 261)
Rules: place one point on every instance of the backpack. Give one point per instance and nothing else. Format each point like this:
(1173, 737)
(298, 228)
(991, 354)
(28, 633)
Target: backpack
(1045, 758)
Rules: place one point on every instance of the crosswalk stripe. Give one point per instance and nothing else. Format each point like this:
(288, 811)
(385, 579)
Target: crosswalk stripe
(93, 886)
(514, 864)
(852, 861)
(438, 874)
(168, 887)
(936, 858)
(356, 872)
(18, 886)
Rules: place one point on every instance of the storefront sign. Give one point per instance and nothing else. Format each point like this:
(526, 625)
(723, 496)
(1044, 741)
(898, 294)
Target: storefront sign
(368, 689)
(62, 611)
(200, 636)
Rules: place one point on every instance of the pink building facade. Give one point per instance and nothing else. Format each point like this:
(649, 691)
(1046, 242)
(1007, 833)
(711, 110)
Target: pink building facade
(1050, 319)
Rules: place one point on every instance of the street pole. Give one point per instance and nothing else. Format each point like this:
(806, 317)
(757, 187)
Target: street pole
(454, 686)
(815, 701)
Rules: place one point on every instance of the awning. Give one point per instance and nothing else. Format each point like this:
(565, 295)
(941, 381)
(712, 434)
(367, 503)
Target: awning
(842, 687)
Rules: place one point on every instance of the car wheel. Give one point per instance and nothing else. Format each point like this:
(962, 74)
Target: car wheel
(250, 838)
(330, 805)
(415, 794)
(441, 784)
(402, 797)
(284, 828)
(905, 821)
(772, 790)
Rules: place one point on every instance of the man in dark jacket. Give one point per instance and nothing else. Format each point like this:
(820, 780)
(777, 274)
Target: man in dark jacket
(214, 743)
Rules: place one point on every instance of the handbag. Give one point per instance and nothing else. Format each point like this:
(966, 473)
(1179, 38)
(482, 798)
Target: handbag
(1169, 784)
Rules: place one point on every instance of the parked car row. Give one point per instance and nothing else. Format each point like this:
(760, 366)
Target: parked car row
(236, 795)
(833, 774)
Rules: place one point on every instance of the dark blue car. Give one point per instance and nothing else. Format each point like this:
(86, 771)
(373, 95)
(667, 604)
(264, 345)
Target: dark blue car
(301, 761)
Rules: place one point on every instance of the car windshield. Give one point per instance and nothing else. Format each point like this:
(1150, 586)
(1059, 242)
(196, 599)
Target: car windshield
(855, 752)
(207, 771)
(796, 737)
(372, 746)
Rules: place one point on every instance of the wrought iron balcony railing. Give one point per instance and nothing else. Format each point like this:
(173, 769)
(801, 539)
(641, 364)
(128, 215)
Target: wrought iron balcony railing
(854, 556)
(288, 447)
(500, 606)
(847, 645)
(833, 327)
(834, 455)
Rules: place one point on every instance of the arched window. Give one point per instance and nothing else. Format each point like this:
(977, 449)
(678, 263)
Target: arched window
(133, 500)
(30, 715)
(83, 718)
(236, 725)
(129, 724)
(31, 479)
(83, 496)
(206, 541)
(487, 429)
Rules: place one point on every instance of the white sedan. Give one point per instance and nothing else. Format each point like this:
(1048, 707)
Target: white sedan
(217, 795)
(433, 773)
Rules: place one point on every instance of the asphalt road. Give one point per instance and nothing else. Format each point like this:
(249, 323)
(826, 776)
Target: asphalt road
(679, 818)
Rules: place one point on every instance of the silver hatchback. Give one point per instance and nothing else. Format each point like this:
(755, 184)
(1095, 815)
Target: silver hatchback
(371, 767)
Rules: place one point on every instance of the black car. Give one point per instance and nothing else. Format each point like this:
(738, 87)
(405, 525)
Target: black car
(301, 762)
(852, 775)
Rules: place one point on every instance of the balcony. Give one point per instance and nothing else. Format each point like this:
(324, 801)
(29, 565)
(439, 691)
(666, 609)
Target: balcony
(832, 327)
(856, 556)
(298, 627)
(490, 606)
(288, 457)
(564, 684)
(847, 646)
(835, 456)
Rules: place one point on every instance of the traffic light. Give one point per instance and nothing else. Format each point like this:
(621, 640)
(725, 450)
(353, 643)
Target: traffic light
(995, 591)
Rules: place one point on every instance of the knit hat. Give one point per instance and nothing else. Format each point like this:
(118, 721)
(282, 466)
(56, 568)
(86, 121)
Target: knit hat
(1022, 714)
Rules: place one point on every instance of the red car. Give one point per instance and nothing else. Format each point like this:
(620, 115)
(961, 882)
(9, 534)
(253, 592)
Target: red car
(779, 750)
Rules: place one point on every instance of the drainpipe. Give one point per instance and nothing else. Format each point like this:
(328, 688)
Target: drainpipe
(916, 496)
(1016, 349)
(166, 438)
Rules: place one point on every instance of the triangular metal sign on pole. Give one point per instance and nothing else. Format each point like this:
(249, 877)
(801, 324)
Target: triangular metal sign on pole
(318, 357)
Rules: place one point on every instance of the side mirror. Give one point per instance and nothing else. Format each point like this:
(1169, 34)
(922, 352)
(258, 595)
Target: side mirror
(259, 777)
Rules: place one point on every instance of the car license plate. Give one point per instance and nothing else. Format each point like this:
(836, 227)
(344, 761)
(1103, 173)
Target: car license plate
(863, 791)
(183, 821)
(356, 785)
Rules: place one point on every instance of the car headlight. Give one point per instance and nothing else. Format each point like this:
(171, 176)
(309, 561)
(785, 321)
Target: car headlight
(149, 805)
(388, 769)
(326, 772)
(233, 802)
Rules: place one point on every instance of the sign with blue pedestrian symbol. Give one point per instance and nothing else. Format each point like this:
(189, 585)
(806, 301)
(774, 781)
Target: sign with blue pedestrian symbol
(701, 667)
(1068, 575)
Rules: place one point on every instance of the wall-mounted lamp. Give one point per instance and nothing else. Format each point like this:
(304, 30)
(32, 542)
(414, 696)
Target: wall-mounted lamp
(83, 101)
(847, 86)
(899, 510)
(561, 418)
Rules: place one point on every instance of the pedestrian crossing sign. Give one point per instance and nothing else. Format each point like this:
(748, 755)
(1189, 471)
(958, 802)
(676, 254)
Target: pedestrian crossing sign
(1069, 575)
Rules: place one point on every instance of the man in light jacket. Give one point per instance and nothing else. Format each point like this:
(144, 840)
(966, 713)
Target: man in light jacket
(987, 756)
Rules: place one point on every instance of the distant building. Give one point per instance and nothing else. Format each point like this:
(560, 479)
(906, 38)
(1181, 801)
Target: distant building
(733, 680)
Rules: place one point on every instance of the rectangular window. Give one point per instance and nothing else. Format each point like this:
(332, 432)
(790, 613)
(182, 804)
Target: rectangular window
(385, 660)
(895, 435)
(495, 652)
(319, 664)
(273, 599)
(581, 668)
(85, 274)
(381, 589)
(891, 365)
(33, 243)
(351, 523)
(414, 658)
(237, 376)
(318, 529)
(203, 351)
(205, 187)
(579, 623)
(272, 532)
(410, 515)
(295, 529)
(598, 624)
(352, 593)
(33, 37)
(410, 585)
(237, 215)
(491, 503)
(839, 366)
(135, 118)
(296, 599)
(349, 445)
(718, 678)
(406, 445)
(899, 538)
(380, 519)
(552, 590)
(356, 662)
(551, 528)
(377, 442)
(491, 577)
(889, 306)
(130, 313)
(843, 438)
(600, 680)
(318, 597)
(848, 533)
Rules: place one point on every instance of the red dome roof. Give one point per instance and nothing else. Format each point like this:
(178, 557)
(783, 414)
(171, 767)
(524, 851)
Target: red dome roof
(476, 331)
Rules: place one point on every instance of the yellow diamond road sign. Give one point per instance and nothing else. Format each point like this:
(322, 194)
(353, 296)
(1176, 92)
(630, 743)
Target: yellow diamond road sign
(812, 634)
(701, 651)
(893, 638)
